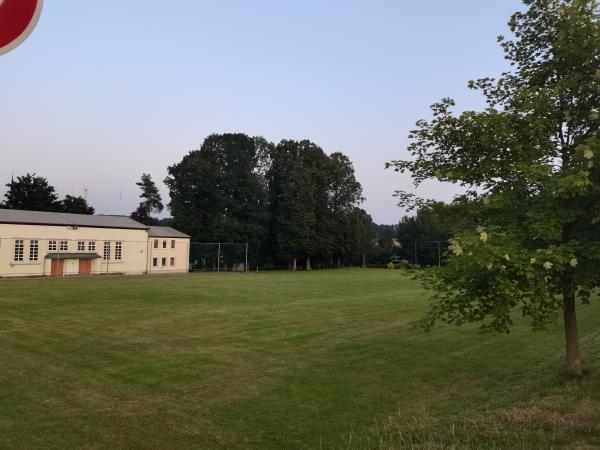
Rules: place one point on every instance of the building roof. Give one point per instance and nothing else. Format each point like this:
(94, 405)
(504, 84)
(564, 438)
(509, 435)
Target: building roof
(72, 256)
(16, 216)
(166, 232)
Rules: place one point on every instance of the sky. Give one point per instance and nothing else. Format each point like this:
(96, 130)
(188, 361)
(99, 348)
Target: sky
(104, 91)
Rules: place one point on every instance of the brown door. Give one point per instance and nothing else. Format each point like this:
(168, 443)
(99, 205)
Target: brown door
(85, 267)
(58, 268)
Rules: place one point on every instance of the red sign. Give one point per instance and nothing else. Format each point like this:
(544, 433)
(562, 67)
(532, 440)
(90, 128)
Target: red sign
(18, 18)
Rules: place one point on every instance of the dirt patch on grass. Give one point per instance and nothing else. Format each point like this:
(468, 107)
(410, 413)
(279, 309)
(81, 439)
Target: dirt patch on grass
(585, 417)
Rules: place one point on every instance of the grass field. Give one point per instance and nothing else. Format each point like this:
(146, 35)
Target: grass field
(277, 360)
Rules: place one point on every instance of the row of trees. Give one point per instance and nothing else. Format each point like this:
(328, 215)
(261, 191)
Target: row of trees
(31, 192)
(291, 202)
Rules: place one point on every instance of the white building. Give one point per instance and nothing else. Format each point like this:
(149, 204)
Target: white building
(36, 243)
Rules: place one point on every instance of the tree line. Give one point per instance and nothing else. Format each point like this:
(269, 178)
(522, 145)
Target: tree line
(34, 193)
(294, 204)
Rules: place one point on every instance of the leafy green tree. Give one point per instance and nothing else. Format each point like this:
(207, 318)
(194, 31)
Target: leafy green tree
(530, 163)
(292, 202)
(218, 193)
(76, 205)
(363, 234)
(344, 194)
(423, 237)
(30, 192)
(151, 201)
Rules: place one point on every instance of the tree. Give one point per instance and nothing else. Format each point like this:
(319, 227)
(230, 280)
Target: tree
(151, 201)
(76, 205)
(218, 193)
(344, 194)
(529, 161)
(363, 234)
(292, 201)
(423, 237)
(30, 192)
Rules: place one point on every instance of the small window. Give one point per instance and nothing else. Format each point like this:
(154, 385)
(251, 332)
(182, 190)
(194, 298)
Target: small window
(119, 251)
(106, 254)
(19, 247)
(155, 243)
(172, 262)
(34, 250)
(81, 246)
(173, 243)
(92, 246)
(164, 262)
(164, 244)
(154, 262)
(64, 246)
(52, 246)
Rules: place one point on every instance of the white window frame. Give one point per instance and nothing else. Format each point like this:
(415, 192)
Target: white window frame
(19, 250)
(52, 246)
(64, 246)
(163, 262)
(106, 251)
(92, 246)
(81, 246)
(118, 251)
(34, 250)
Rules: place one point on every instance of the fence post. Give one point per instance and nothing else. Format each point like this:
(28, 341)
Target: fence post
(219, 259)
(416, 259)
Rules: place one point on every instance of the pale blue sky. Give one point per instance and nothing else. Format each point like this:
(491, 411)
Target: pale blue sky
(106, 90)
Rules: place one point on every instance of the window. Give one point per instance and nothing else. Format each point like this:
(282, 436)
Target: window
(106, 255)
(64, 246)
(19, 246)
(119, 251)
(155, 243)
(173, 243)
(81, 246)
(34, 250)
(172, 262)
(164, 244)
(52, 246)
(155, 262)
(164, 262)
(91, 246)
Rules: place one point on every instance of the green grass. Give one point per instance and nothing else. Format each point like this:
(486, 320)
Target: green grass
(278, 360)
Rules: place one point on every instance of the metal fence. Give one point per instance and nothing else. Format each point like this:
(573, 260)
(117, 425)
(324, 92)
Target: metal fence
(218, 257)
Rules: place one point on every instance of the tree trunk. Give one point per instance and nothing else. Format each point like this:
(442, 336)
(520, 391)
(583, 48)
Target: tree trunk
(364, 260)
(308, 267)
(294, 264)
(339, 263)
(574, 365)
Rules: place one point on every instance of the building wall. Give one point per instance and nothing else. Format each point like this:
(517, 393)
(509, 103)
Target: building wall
(134, 249)
(179, 255)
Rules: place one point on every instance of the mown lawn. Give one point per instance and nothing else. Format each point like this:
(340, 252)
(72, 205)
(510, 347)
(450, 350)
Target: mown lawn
(277, 360)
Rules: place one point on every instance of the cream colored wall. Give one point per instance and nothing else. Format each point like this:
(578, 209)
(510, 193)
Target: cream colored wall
(135, 244)
(181, 253)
